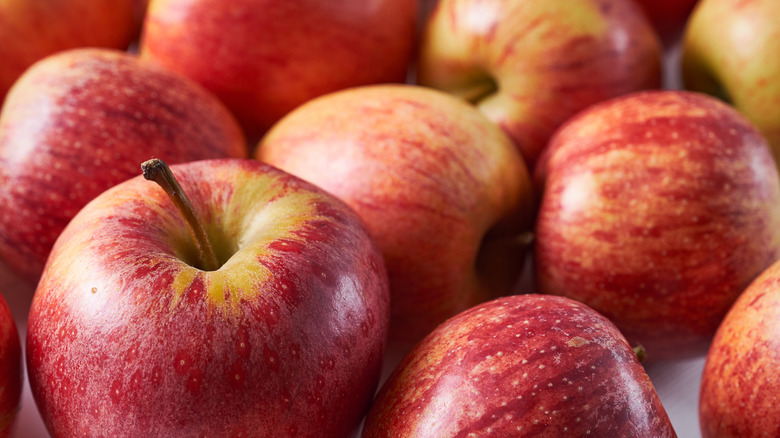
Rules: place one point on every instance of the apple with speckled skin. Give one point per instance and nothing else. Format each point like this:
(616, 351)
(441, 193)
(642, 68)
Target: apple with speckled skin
(739, 387)
(265, 57)
(442, 189)
(730, 50)
(668, 17)
(658, 210)
(10, 370)
(78, 122)
(32, 30)
(520, 366)
(529, 65)
(133, 333)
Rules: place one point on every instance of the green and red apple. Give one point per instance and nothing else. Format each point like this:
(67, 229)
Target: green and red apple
(730, 50)
(263, 58)
(32, 30)
(529, 65)
(78, 122)
(133, 332)
(520, 366)
(659, 208)
(443, 190)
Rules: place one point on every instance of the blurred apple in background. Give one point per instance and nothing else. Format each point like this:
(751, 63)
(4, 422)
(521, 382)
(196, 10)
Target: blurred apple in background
(133, 333)
(10, 370)
(80, 121)
(659, 208)
(265, 57)
(740, 384)
(442, 189)
(730, 50)
(668, 18)
(526, 365)
(529, 65)
(32, 30)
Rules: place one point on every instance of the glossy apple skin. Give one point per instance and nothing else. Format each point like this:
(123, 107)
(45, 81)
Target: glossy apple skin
(32, 30)
(730, 50)
(659, 208)
(81, 121)
(10, 370)
(443, 191)
(547, 60)
(520, 366)
(265, 57)
(739, 385)
(126, 338)
(668, 17)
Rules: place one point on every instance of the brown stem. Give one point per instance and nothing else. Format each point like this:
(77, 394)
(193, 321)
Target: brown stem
(641, 353)
(156, 170)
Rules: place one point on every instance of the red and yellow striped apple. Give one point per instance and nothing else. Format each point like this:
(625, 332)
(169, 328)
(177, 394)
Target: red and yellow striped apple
(529, 65)
(521, 366)
(265, 57)
(134, 331)
(659, 208)
(442, 189)
(73, 126)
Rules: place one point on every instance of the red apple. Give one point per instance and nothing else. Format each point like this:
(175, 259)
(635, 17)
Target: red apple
(529, 65)
(265, 57)
(520, 366)
(740, 384)
(32, 30)
(132, 333)
(73, 126)
(443, 191)
(668, 17)
(10, 370)
(659, 209)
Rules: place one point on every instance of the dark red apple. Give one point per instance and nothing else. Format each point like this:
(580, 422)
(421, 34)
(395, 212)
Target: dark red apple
(10, 370)
(668, 17)
(520, 366)
(658, 210)
(77, 123)
(134, 331)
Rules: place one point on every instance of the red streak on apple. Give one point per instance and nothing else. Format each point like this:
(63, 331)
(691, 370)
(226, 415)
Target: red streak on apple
(520, 366)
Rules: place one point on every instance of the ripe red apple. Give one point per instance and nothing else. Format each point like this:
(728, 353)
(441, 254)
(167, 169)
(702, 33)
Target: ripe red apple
(10, 370)
(529, 65)
(265, 57)
(73, 126)
(443, 191)
(520, 366)
(32, 30)
(730, 50)
(659, 208)
(133, 333)
(668, 17)
(740, 384)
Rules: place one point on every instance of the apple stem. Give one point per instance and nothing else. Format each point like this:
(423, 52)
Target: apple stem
(641, 353)
(156, 170)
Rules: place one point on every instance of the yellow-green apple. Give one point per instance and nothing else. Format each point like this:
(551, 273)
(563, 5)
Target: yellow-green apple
(277, 330)
(730, 50)
(529, 65)
(442, 189)
(265, 57)
(32, 30)
(73, 125)
(10, 370)
(739, 387)
(659, 208)
(520, 366)
(668, 18)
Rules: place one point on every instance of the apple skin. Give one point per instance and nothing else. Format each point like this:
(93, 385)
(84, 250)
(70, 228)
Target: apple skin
(10, 370)
(668, 18)
(443, 191)
(127, 338)
(659, 208)
(739, 385)
(530, 65)
(520, 366)
(265, 57)
(32, 30)
(105, 103)
(730, 50)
